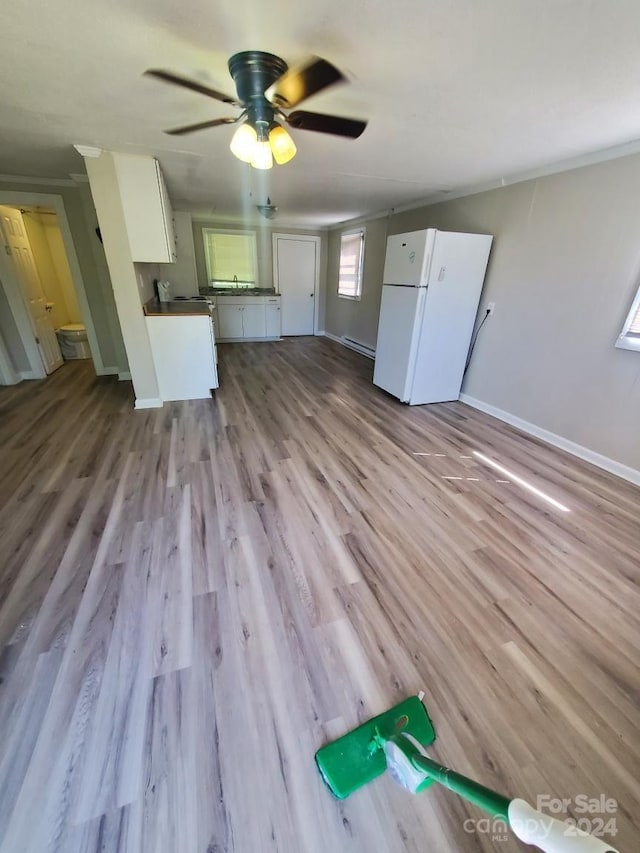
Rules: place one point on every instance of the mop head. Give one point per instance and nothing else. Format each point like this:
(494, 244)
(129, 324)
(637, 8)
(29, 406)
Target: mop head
(360, 756)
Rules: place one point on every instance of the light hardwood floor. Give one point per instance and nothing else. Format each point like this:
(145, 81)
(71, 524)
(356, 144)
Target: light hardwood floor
(194, 599)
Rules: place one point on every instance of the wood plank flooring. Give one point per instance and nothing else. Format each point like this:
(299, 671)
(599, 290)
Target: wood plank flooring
(194, 599)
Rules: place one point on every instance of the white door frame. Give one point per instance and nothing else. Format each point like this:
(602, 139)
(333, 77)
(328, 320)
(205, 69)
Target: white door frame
(316, 285)
(13, 290)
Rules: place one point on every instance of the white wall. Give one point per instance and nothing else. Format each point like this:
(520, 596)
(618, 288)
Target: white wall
(564, 268)
(100, 281)
(146, 274)
(357, 319)
(106, 196)
(182, 273)
(58, 254)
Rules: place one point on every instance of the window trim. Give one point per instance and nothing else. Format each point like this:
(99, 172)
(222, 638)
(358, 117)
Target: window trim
(626, 341)
(351, 233)
(211, 229)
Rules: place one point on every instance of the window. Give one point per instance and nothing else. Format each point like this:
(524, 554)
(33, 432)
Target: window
(630, 336)
(230, 257)
(351, 261)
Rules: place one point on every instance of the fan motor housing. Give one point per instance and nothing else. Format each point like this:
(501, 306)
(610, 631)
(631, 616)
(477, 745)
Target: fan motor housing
(253, 71)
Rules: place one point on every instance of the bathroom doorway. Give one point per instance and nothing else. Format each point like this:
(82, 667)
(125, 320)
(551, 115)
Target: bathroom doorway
(41, 286)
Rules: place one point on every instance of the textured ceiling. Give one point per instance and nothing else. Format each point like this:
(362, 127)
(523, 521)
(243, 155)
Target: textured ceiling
(457, 93)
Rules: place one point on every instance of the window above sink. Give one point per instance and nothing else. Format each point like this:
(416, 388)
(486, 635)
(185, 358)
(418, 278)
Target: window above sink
(231, 259)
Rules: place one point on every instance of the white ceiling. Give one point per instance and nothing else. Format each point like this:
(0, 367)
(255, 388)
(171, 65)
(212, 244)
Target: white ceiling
(457, 93)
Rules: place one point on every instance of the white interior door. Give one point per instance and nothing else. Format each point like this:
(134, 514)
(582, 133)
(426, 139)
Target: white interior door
(295, 260)
(19, 249)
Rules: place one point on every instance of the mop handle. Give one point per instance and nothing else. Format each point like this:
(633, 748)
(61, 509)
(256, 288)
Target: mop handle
(529, 825)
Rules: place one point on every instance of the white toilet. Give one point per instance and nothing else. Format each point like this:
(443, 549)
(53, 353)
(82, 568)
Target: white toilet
(73, 341)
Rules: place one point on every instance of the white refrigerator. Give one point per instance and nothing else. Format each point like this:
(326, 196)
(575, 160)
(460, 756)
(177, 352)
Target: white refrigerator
(431, 290)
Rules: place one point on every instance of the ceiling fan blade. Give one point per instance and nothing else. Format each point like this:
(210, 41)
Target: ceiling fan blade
(296, 84)
(350, 127)
(203, 125)
(170, 77)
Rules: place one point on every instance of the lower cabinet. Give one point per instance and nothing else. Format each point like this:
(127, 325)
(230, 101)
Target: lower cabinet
(230, 321)
(248, 317)
(253, 321)
(184, 356)
(272, 319)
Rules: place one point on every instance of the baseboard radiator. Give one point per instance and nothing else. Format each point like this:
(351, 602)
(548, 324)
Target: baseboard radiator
(358, 347)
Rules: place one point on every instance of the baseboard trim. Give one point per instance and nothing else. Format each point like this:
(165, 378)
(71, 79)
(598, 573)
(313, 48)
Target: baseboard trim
(122, 375)
(148, 403)
(632, 475)
(347, 345)
(107, 371)
(245, 340)
(28, 374)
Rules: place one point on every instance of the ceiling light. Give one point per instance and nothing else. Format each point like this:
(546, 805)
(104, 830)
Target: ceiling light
(282, 145)
(244, 142)
(262, 157)
(267, 210)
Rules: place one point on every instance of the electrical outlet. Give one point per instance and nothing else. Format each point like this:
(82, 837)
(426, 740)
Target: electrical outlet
(491, 307)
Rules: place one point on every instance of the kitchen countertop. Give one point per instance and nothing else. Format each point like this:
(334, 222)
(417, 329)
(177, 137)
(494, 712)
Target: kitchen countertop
(153, 308)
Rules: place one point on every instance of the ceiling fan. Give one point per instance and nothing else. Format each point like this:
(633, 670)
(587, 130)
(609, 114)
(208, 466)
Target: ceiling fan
(266, 90)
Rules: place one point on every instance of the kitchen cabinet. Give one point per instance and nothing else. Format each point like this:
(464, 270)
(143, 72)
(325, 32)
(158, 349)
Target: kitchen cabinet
(230, 321)
(253, 321)
(184, 356)
(248, 317)
(272, 317)
(147, 209)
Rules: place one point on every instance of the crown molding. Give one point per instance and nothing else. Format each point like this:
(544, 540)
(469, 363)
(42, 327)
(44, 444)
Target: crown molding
(88, 151)
(29, 179)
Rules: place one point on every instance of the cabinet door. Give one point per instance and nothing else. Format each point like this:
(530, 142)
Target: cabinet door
(253, 321)
(230, 321)
(273, 319)
(183, 356)
(167, 214)
(147, 215)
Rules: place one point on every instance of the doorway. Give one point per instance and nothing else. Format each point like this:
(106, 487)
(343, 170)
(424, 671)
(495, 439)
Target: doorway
(41, 289)
(296, 262)
(28, 273)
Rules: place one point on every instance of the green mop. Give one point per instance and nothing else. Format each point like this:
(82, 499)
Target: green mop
(396, 741)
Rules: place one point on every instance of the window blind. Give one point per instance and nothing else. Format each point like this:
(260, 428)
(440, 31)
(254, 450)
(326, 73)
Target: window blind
(350, 274)
(230, 258)
(634, 328)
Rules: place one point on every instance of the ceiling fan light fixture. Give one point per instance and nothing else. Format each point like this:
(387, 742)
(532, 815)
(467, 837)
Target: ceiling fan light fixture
(282, 145)
(243, 143)
(262, 156)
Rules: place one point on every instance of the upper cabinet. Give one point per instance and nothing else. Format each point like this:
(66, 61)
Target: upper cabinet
(147, 209)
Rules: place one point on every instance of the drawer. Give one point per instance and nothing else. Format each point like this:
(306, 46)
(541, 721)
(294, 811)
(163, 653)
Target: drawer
(240, 300)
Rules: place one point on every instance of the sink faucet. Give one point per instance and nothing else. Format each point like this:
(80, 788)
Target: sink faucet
(235, 280)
